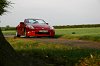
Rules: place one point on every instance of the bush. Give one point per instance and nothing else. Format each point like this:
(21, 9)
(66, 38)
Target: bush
(73, 33)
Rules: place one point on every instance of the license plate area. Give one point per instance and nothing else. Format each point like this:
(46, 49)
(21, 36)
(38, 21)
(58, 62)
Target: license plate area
(43, 31)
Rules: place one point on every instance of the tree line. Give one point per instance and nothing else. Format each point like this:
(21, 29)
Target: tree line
(77, 26)
(58, 27)
(8, 28)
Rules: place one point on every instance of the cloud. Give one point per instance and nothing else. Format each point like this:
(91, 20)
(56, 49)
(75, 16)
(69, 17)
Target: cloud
(57, 12)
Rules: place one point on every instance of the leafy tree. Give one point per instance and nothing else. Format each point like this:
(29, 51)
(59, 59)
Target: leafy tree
(8, 56)
(3, 4)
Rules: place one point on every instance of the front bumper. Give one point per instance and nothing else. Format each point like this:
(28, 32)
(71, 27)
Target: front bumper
(38, 33)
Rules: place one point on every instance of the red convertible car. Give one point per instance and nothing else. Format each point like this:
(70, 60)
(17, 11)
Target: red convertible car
(34, 27)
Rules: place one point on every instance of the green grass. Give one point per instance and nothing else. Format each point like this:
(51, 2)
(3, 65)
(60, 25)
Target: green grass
(34, 53)
(9, 32)
(79, 33)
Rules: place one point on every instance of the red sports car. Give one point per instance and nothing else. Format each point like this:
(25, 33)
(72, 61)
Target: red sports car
(34, 27)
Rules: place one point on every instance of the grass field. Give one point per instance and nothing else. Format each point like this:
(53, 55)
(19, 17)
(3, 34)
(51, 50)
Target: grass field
(9, 32)
(79, 33)
(35, 53)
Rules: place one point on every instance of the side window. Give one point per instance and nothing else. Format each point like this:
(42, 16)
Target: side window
(26, 21)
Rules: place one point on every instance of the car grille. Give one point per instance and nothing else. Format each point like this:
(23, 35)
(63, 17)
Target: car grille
(42, 33)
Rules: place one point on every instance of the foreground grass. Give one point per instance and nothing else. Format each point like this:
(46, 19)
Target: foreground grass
(34, 53)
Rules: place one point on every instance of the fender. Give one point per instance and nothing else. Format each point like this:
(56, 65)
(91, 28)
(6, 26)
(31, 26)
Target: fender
(21, 28)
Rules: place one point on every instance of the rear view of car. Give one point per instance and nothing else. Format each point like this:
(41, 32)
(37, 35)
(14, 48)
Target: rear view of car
(34, 27)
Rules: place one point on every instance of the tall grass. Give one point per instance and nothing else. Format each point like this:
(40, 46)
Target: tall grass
(34, 53)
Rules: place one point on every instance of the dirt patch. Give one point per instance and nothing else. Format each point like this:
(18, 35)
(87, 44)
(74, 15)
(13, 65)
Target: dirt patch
(73, 43)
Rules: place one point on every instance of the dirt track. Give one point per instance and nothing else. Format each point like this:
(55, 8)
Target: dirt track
(73, 43)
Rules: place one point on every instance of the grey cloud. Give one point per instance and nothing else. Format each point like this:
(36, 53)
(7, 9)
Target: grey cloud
(56, 12)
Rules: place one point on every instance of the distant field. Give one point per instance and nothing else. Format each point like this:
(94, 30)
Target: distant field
(72, 33)
(80, 33)
(9, 32)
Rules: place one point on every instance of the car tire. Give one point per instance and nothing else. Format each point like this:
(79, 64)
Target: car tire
(51, 36)
(38, 36)
(26, 33)
(17, 34)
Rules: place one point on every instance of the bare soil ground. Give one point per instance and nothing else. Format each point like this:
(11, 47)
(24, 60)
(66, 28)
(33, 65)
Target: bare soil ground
(66, 42)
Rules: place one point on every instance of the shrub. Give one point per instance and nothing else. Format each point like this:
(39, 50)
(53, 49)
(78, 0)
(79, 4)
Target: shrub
(73, 33)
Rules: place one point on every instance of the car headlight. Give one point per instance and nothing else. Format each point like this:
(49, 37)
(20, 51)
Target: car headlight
(30, 26)
(51, 27)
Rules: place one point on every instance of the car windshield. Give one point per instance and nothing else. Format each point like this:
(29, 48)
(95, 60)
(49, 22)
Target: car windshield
(36, 21)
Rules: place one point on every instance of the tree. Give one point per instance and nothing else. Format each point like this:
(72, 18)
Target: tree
(8, 56)
(3, 4)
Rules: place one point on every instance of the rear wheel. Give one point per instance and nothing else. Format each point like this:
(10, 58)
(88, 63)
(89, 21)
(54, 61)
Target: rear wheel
(26, 33)
(17, 34)
(51, 36)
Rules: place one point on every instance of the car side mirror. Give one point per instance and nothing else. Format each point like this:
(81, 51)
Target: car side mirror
(47, 23)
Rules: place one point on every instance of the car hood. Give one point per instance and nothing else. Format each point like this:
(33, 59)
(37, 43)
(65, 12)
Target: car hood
(40, 26)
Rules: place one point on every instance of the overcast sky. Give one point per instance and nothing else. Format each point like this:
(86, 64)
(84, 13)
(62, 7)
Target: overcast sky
(55, 12)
